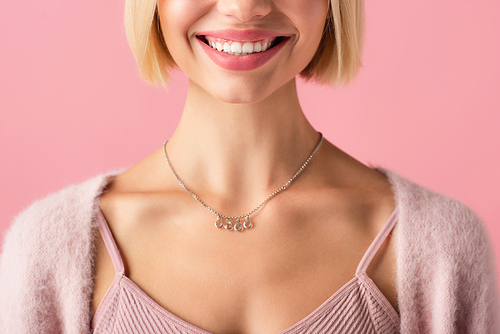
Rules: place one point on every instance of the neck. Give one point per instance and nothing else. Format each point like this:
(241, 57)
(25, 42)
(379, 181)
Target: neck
(222, 148)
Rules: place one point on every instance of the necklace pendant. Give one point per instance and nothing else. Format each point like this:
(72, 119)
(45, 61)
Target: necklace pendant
(238, 227)
(228, 225)
(247, 223)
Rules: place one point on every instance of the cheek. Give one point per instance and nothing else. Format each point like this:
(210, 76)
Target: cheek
(176, 17)
(309, 8)
(309, 19)
(313, 16)
(308, 16)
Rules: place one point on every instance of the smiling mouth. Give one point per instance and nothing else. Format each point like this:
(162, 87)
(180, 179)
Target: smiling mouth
(241, 48)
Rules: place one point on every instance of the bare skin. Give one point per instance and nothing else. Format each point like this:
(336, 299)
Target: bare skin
(306, 245)
(242, 135)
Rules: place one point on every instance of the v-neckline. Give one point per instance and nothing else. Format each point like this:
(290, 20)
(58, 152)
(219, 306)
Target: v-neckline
(360, 278)
(360, 275)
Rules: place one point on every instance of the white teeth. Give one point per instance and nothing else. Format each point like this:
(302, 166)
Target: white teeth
(236, 47)
(239, 48)
(247, 47)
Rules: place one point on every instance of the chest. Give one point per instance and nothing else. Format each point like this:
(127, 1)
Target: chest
(230, 283)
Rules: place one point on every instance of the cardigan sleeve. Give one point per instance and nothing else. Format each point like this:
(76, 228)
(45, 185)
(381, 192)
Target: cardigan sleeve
(474, 296)
(46, 280)
(28, 291)
(446, 277)
(12, 277)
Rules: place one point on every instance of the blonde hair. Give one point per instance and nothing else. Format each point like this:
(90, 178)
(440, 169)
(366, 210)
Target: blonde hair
(336, 61)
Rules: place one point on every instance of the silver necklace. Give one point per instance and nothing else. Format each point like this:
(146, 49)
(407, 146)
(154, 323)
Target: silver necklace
(238, 226)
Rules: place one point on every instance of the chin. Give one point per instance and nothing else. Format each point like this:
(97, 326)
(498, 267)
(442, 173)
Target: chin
(242, 89)
(242, 94)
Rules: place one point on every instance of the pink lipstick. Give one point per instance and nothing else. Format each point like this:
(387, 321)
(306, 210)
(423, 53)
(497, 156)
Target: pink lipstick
(241, 50)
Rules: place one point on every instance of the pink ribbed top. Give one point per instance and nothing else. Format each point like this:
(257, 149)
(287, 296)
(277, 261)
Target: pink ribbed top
(357, 307)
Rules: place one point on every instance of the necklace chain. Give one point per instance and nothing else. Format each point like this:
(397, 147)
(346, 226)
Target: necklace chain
(247, 224)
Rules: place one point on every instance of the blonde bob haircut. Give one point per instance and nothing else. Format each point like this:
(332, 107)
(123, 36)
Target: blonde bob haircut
(336, 61)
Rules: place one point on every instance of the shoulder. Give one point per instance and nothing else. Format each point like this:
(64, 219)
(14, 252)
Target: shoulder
(446, 278)
(45, 264)
(58, 213)
(437, 220)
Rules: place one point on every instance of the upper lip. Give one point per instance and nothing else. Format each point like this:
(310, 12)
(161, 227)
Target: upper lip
(242, 35)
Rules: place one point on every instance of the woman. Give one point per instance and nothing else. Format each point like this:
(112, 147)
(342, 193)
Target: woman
(247, 220)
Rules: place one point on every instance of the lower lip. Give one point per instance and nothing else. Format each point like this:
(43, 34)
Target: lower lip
(243, 63)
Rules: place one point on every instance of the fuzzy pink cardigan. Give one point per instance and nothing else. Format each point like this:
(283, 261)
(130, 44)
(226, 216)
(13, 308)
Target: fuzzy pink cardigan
(446, 279)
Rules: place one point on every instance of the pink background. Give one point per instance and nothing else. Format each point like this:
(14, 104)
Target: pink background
(426, 103)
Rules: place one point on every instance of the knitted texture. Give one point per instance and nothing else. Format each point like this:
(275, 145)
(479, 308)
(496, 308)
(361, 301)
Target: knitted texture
(446, 279)
(46, 265)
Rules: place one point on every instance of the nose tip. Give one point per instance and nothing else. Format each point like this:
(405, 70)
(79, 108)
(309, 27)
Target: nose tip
(244, 10)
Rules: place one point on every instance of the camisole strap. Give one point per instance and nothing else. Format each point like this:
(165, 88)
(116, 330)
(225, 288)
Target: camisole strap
(377, 242)
(110, 243)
